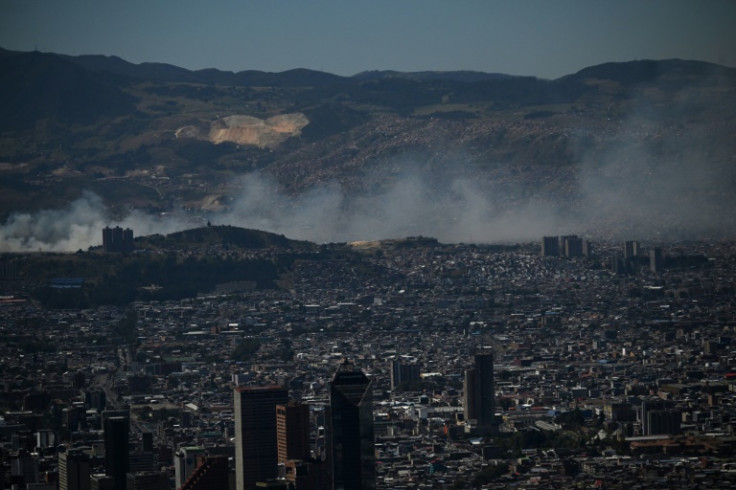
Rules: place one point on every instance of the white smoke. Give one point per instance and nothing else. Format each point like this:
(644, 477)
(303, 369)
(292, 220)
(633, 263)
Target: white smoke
(626, 190)
(652, 178)
(460, 211)
(77, 226)
(652, 186)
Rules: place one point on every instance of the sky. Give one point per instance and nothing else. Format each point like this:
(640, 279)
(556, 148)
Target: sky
(542, 38)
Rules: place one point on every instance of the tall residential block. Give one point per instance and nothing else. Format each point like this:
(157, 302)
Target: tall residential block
(631, 249)
(479, 394)
(572, 246)
(117, 240)
(550, 246)
(656, 260)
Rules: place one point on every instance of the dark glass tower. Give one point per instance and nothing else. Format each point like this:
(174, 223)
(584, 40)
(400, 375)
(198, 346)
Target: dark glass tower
(484, 391)
(256, 450)
(352, 454)
(117, 458)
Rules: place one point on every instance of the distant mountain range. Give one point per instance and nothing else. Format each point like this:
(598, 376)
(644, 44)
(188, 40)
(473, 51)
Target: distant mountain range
(643, 147)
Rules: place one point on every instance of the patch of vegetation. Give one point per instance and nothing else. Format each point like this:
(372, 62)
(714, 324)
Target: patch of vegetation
(489, 474)
(32, 345)
(231, 236)
(329, 119)
(60, 299)
(513, 443)
(122, 278)
(125, 329)
(246, 349)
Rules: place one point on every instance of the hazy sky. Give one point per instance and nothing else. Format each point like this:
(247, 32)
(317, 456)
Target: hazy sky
(545, 38)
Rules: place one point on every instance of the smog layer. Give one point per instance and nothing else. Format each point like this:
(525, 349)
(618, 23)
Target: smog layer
(640, 150)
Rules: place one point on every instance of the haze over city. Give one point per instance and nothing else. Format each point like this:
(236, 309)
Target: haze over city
(367, 245)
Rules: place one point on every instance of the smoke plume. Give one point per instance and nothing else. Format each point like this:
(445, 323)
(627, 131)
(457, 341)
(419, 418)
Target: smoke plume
(77, 226)
(651, 177)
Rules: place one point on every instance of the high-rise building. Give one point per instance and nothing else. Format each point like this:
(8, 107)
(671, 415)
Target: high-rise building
(24, 467)
(292, 431)
(117, 239)
(256, 450)
(45, 438)
(305, 475)
(141, 461)
(617, 265)
(127, 245)
(469, 412)
(117, 458)
(664, 421)
(351, 440)
(74, 470)
(107, 239)
(147, 480)
(101, 482)
(95, 399)
(572, 246)
(479, 396)
(403, 373)
(631, 249)
(146, 444)
(659, 417)
(212, 473)
(656, 260)
(550, 246)
(587, 248)
(185, 462)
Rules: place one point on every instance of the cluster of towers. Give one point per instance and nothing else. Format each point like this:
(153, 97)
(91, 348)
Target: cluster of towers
(272, 435)
(569, 246)
(117, 239)
(121, 468)
(572, 246)
(634, 257)
(273, 439)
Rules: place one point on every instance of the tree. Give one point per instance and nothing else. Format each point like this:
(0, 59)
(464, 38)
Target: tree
(490, 473)
(574, 418)
(245, 349)
(125, 329)
(571, 466)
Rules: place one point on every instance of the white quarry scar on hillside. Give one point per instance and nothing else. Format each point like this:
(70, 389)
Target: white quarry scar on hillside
(248, 130)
